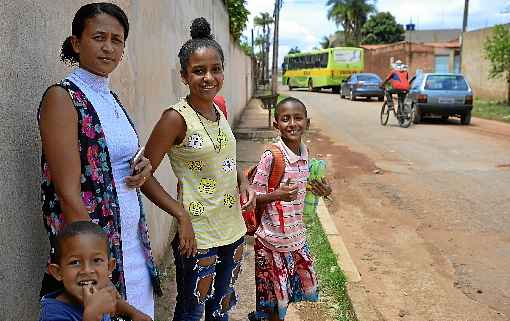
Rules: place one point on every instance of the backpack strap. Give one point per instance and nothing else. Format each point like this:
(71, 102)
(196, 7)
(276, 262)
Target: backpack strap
(277, 168)
(275, 177)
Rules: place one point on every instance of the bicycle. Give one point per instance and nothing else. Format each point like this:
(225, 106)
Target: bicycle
(403, 114)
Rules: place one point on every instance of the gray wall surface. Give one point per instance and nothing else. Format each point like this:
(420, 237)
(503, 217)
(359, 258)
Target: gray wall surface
(476, 67)
(147, 81)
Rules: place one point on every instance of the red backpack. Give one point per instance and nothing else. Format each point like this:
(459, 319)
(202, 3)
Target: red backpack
(252, 218)
(222, 105)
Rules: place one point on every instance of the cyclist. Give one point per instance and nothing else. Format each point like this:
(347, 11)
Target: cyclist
(397, 82)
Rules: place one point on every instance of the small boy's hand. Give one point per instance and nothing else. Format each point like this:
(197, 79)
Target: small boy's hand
(288, 192)
(98, 302)
(125, 309)
(140, 316)
(320, 188)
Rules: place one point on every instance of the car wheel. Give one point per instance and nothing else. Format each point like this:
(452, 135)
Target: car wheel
(465, 119)
(416, 115)
(445, 117)
(351, 95)
(380, 98)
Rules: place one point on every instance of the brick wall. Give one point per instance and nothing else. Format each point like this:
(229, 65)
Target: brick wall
(416, 56)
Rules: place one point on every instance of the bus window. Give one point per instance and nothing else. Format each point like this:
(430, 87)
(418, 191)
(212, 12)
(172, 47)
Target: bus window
(324, 60)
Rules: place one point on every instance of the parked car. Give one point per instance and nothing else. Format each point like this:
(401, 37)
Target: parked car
(441, 94)
(362, 85)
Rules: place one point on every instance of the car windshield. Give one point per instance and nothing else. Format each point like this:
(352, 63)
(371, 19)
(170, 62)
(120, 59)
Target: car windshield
(368, 78)
(445, 82)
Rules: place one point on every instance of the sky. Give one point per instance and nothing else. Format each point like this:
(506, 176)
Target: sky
(303, 23)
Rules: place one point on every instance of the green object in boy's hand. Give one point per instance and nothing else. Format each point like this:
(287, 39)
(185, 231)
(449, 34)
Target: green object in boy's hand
(317, 168)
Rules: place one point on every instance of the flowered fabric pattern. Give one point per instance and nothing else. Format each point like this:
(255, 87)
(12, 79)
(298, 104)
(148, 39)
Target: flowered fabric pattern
(282, 278)
(97, 189)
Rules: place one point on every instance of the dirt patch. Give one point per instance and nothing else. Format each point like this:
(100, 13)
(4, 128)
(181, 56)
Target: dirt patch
(406, 250)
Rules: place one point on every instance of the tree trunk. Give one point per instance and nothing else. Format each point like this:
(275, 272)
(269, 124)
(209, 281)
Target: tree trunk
(508, 88)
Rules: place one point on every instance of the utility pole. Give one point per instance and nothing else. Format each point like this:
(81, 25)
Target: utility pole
(274, 73)
(464, 27)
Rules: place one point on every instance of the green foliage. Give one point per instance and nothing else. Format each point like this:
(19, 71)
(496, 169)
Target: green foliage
(238, 16)
(332, 280)
(497, 51)
(491, 110)
(351, 15)
(325, 43)
(246, 46)
(294, 50)
(382, 28)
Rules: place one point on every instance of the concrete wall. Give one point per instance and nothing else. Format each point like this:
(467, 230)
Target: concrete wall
(31, 33)
(432, 35)
(476, 68)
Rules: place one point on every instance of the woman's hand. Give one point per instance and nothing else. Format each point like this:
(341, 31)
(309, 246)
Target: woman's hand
(248, 197)
(187, 240)
(142, 171)
(320, 188)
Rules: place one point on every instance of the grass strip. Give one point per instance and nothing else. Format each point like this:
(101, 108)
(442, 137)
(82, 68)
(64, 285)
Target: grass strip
(332, 281)
(491, 110)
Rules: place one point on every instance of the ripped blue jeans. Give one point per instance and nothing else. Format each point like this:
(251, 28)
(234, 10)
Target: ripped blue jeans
(206, 281)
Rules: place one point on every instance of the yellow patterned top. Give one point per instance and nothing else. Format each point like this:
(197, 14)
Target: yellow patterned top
(205, 165)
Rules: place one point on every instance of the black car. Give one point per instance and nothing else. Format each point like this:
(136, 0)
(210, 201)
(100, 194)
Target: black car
(362, 85)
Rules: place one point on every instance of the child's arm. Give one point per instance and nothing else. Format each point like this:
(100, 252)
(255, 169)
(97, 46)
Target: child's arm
(96, 303)
(124, 308)
(288, 192)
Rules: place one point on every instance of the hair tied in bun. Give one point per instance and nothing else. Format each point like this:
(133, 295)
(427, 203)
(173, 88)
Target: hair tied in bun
(201, 29)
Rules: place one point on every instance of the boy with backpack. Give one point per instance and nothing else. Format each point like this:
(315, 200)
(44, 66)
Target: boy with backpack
(284, 270)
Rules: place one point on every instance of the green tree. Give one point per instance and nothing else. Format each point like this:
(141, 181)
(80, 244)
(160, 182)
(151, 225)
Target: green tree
(246, 46)
(382, 28)
(238, 16)
(497, 51)
(263, 21)
(351, 15)
(294, 50)
(325, 43)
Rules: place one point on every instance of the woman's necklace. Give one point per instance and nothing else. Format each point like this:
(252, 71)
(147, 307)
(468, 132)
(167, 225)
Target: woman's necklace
(217, 148)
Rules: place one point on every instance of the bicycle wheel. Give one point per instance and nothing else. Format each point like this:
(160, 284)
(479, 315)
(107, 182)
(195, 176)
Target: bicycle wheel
(405, 116)
(385, 113)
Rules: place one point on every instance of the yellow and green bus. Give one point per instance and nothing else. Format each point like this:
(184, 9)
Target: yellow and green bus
(323, 68)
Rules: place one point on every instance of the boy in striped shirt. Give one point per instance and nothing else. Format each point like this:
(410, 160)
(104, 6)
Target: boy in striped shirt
(283, 266)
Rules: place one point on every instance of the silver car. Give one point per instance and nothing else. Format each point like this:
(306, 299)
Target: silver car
(441, 94)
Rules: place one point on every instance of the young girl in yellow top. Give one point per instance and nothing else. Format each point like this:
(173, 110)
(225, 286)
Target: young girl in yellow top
(202, 150)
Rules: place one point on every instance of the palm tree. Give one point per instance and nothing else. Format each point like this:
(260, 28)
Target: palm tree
(351, 15)
(264, 20)
(325, 42)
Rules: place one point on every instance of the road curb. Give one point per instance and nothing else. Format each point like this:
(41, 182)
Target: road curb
(361, 305)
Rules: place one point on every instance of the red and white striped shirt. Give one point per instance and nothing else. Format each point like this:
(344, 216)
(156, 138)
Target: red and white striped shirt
(269, 231)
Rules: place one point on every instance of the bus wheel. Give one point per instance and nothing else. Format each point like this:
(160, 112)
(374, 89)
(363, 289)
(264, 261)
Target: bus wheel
(336, 89)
